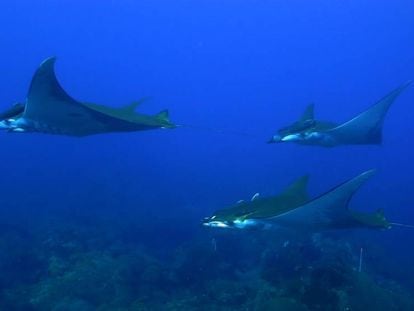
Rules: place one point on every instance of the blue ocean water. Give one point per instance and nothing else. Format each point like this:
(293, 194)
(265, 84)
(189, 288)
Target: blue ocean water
(231, 73)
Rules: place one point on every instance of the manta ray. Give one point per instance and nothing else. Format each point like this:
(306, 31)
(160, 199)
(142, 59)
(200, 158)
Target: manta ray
(49, 109)
(364, 129)
(293, 209)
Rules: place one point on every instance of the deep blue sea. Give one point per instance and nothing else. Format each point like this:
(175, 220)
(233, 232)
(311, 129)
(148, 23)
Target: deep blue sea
(113, 221)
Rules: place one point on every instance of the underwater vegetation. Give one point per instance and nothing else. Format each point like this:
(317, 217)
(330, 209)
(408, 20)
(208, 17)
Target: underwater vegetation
(75, 267)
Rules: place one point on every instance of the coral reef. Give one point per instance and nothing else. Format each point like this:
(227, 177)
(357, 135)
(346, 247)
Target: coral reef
(83, 267)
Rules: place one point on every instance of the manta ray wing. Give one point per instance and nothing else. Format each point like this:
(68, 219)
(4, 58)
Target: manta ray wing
(366, 128)
(329, 210)
(52, 110)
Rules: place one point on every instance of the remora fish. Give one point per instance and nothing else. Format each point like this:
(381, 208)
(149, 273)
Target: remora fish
(49, 109)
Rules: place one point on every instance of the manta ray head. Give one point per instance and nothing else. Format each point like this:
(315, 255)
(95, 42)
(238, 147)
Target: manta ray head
(302, 130)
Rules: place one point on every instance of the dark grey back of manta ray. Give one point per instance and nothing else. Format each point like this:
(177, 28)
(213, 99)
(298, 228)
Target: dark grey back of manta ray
(52, 110)
(366, 128)
(328, 211)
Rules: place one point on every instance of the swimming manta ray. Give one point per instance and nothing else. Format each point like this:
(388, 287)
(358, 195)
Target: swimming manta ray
(246, 213)
(49, 109)
(364, 129)
(293, 210)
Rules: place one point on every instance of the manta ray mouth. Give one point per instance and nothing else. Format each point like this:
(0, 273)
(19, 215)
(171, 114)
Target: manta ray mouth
(215, 224)
(22, 124)
(275, 139)
(292, 137)
(12, 125)
(236, 224)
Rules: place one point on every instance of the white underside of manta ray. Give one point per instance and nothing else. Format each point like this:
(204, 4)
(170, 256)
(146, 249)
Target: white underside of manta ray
(49, 109)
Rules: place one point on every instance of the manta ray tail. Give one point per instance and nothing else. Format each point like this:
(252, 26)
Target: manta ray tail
(163, 115)
(366, 128)
(401, 225)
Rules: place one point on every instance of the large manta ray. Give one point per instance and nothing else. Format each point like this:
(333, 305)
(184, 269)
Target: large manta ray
(49, 109)
(292, 209)
(364, 129)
